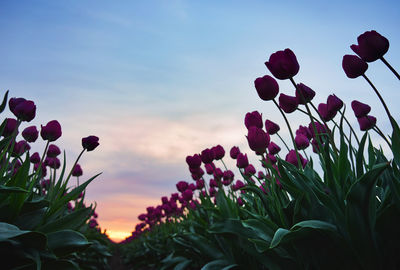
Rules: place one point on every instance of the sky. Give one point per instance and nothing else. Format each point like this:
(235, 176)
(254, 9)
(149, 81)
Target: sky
(159, 80)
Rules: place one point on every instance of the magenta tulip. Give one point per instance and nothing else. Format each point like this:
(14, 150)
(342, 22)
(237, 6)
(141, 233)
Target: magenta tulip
(283, 64)
(267, 87)
(371, 46)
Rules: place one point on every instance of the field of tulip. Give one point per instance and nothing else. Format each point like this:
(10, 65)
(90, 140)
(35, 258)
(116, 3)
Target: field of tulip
(329, 199)
(44, 222)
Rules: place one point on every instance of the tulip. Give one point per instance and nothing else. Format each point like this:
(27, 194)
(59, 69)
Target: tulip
(271, 127)
(253, 119)
(90, 143)
(360, 109)
(238, 185)
(305, 131)
(193, 161)
(315, 146)
(334, 103)
(35, 158)
(218, 152)
(287, 103)
(213, 183)
(366, 122)
(51, 131)
(325, 113)
(53, 150)
(273, 148)
(234, 152)
(291, 157)
(142, 217)
(242, 161)
(272, 159)
(10, 127)
(218, 174)
(52, 162)
(192, 186)
(371, 46)
(228, 175)
(207, 156)
(240, 201)
(30, 134)
(250, 170)
(181, 186)
(200, 184)
(304, 94)
(258, 139)
(354, 66)
(283, 64)
(267, 87)
(25, 110)
(77, 171)
(20, 148)
(301, 141)
(210, 168)
(321, 129)
(260, 175)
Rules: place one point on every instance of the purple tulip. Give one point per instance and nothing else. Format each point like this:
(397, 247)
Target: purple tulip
(25, 110)
(334, 103)
(210, 167)
(228, 175)
(321, 129)
(242, 161)
(240, 201)
(77, 171)
(218, 174)
(52, 162)
(260, 175)
(366, 122)
(258, 139)
(192, 186)
(301, 141)
(272, 159)
(142, 217)
(90, 143)
(35, 158)
(30, 134)
(325, 113)
(218, 152)
(283, 64)
(234, 152)
(354, 66)
(287, 103)
(360, 109)
(53, 150)
(315, 146)
(20, 148)
(267, 87)
(305, 131)
(371, 46)
(10, 127)
(250, 170)
(271, 127)
(51, 131)
(207, 156)
(200, 184)
(213, 183)
(291, 157)
(181, 186)
(273, 148)
(193, 161)
(304, 94)
(253, 119)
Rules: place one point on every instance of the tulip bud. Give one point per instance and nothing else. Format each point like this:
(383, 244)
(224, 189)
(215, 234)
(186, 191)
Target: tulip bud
(291, 157)
(366, 122)
(273, 148)
(30, 134)
(10, 127)
(249, 170)
(326, 114)
(25, 110)
(287, 103)
(218, 152)
(35, 158)
(193, 161)
(200, 184)
(304, 94)
(301, 141)
(360, 109)
(207, 156)
(334, 103)
(20, 148)
(283, 64)
(242, 161)
(258, 139)
(305, 131)
(253, 119)
(271, 127)
(90, 143)
(267, 87)
(53, 150)
(371, 46)
(354, 66)
(181, 186)
(51, 131)
(52, 162)
(210, 167)
(234, 152)
(77, 171)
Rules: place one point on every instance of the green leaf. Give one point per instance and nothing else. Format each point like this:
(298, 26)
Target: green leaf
(60, 265)
(360, 156)
(218, 265)
(28, 238)
(225, 208)
(263, 230)
(4, 103)
(6, 189)
(66, 242)
(71, 221)
(396, 141)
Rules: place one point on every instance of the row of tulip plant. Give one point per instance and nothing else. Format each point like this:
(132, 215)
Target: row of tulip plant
(44, 222)
(293, 213)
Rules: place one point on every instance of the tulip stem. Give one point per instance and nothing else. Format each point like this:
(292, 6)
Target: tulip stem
(351, 128)
(390, 67)
(291, 133)
(76, 161)
(377, 130)
(287, 147)
(381, 99)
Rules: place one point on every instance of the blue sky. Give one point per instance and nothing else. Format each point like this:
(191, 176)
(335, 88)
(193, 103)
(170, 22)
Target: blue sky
(158, 80)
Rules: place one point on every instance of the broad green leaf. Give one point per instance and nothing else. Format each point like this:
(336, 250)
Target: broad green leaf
(396, 141)
(28, 238)
(7, 189)
(360, 156)
(4, 103)
(73, 221)
(66, 242)
(218, 265)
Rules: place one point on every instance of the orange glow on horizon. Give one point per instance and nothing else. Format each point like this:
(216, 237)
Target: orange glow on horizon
(117, 236)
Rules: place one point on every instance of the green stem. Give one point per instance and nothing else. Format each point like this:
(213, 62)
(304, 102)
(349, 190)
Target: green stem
(76, 161)
(390, 67)
(287, 147)
(350, 126)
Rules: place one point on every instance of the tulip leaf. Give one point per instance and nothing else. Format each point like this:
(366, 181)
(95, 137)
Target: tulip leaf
(218, 265)
(60, 265)
(396, 141)
(65, 242)
(7, 189)
(4, 103)
(71, 221)
(28, 238)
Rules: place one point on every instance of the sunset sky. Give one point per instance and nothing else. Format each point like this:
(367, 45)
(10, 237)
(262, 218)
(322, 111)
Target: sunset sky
(159, 80)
